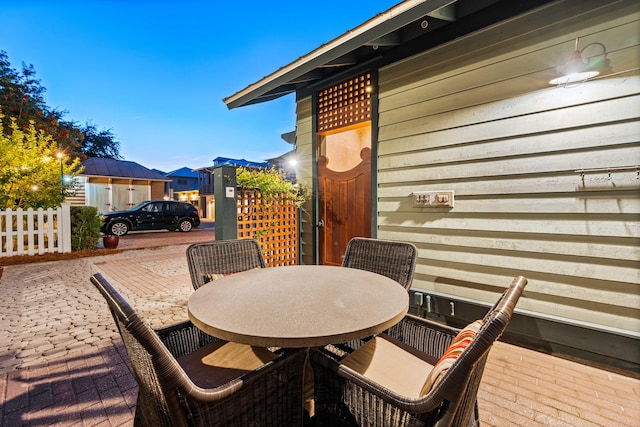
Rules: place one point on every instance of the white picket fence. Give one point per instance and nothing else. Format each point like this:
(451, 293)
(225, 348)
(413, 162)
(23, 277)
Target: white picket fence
(35, 232)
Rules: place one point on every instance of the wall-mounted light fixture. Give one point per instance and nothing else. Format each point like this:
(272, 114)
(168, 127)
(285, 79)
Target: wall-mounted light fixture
(578, 69)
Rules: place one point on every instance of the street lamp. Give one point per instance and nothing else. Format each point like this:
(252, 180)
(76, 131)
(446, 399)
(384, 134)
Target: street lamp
(60, 156)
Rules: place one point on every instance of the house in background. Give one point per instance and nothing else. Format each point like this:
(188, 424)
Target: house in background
(205, 182)
(435, 123)
(226, 161)
(205, 192)
(183, 185)
(287, 163)
(111, 185)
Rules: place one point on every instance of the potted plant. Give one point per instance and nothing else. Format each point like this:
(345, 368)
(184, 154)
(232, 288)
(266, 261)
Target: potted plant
(110, 241)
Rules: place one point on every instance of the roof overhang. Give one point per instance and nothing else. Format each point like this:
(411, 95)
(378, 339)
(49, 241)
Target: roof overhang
(124, 178)
(377, 32)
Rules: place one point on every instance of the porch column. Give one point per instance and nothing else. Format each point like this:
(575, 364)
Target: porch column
(224, 191)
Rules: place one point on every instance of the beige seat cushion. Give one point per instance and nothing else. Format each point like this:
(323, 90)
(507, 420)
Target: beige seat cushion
(403, 369)
(220, 362)
(383, 361)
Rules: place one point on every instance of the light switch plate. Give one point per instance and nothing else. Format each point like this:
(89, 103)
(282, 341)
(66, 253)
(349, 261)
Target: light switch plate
(433, 199)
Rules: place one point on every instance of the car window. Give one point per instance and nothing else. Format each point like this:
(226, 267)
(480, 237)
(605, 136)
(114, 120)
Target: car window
(152, 207)
(138, 206)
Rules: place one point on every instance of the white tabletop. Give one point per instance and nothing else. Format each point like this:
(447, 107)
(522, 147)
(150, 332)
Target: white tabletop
(298, 306)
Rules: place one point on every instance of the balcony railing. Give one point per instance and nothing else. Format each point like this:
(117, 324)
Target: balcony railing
(205, 189)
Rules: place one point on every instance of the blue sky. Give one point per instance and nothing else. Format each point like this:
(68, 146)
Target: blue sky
(155, 72)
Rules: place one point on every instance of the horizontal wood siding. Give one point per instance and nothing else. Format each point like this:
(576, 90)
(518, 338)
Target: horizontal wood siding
(77, 195)
(304, 152)
(477, 116)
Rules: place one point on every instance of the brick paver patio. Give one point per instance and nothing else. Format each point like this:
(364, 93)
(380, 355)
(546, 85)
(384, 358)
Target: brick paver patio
(62, 362)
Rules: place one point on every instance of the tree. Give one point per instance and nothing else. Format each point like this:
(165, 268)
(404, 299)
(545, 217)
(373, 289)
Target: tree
(99, 143)
(33, 173)
(22, 100)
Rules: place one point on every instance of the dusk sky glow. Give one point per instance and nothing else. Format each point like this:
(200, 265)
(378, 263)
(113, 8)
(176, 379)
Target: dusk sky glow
(155, 72)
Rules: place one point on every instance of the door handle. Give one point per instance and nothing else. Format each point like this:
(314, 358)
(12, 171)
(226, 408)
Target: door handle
(321, 223)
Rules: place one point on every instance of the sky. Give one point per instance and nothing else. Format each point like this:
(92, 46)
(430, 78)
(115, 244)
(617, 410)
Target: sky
(155, 72)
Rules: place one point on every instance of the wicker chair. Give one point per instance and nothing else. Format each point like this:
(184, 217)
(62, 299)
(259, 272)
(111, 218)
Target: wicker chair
(405, 361)
(221, 258)
(396, 260)
(187, 378)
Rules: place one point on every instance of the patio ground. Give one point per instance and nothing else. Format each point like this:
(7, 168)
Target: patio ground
(62, 362)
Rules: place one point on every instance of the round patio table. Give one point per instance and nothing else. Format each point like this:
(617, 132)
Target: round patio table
(298, 306)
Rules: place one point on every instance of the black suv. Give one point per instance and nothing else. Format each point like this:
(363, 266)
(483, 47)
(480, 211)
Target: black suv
(151, 215)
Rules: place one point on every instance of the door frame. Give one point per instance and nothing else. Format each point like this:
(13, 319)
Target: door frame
(374, 154)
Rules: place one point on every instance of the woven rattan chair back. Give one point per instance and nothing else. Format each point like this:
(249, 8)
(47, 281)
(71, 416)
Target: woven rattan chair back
(269, 396)
(396, 260)
(222, 257)
(145, 351)
(460, 384)
(345, 398)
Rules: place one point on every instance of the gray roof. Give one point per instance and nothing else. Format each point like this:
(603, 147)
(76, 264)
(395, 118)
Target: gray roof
(183, 172)
(97, 166)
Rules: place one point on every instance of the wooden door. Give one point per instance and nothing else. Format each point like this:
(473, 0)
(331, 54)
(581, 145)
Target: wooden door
(344, 206)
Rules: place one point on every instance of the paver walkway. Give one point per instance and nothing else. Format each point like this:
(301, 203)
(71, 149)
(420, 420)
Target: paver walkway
(62, 362)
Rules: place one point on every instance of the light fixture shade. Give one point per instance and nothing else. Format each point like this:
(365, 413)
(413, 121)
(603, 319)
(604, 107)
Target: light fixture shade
(577, 70)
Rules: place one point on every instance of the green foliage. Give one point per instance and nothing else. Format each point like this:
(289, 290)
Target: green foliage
(85, 227)
(31, 173)
(99, 143)
(22, 101)
(270, 182)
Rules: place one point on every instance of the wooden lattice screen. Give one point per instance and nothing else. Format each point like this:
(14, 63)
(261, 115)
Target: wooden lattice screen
(345, 104)
(273, 223)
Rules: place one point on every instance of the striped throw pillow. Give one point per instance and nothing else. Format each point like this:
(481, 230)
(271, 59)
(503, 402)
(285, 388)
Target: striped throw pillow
(215, 276)
(212, 276)
(456, 348)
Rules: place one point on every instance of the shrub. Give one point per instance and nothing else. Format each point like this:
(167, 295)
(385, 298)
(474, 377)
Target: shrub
(85, 227)
(270, 182)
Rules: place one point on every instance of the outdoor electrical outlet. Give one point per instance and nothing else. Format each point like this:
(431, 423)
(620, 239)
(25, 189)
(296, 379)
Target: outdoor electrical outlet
(418, 298)
(433, 199)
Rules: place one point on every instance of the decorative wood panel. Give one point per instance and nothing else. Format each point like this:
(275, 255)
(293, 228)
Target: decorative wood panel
(345, 104)
(273, 223)
(343, 198)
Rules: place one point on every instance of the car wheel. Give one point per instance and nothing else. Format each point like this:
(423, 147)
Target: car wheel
(185, 225)
(119, 228)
